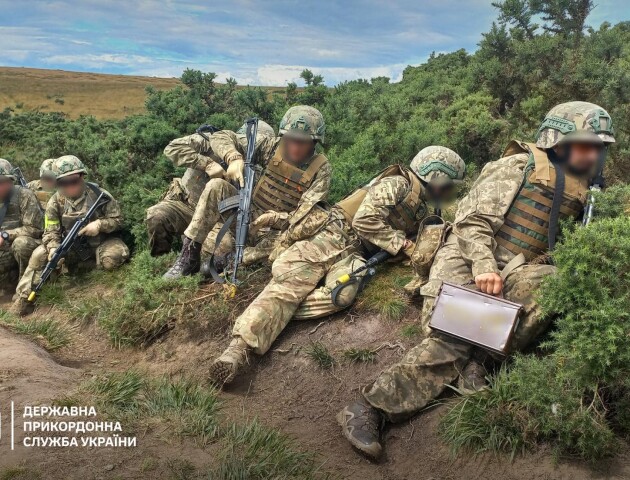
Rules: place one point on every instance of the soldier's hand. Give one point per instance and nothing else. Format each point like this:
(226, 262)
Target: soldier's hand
(92, 229)
(234, 171)
(265, 220)
(51, 254)
(490, 283)
(408, 247)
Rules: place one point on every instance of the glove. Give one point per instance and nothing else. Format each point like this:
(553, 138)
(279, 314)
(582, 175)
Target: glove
(265, 220)
(51, 254)
(92, 229)
(235, 169)
(408, 247)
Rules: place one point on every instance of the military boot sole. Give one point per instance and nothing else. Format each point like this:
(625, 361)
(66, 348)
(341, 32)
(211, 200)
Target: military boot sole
(373, 451)
(221, 373)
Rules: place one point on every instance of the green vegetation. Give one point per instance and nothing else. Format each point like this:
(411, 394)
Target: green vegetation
(575, 398)
(318, 352)
(410, 331)
(384, 294)
(360, 355)
(49, 333)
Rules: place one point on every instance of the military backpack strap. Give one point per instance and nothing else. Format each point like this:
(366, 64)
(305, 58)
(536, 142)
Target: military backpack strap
(558, 194)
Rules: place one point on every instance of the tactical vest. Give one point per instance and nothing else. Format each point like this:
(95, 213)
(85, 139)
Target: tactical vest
(70, 216)
(526, 226)
(13, 219)
(281, 185)
(405, 215)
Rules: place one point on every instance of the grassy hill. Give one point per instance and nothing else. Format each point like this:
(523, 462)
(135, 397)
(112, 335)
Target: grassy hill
(76, 93)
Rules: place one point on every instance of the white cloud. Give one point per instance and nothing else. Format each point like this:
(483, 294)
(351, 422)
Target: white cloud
(283, 74)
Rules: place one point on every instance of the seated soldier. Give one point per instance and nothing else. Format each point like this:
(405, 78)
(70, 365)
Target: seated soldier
(44, 187)
(503, 231)
(168, 219)
(97, 244)
(21, 225)
(380, 217)
(294, 178)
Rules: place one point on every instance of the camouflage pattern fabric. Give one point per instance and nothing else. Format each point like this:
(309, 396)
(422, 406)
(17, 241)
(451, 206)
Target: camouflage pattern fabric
(42, 195)
(438, 165)
(24, 217)
(166, 221)
(14, 259)
(303, 121)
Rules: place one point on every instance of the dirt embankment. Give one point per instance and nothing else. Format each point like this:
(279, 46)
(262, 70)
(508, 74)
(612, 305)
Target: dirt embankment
(285, 389)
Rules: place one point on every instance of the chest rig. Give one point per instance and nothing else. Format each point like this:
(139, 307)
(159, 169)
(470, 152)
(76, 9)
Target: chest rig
(11, 208)
(281, 184)
(526, 226)
(406, 214)
(70, 214)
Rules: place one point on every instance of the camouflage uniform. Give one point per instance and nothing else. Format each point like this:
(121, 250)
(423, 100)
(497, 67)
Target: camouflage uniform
(23, 222)
(45, 171)
(505, 213)
(105, 249)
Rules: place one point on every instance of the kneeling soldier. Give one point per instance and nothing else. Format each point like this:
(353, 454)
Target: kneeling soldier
(503, 231)
(380, 217)
(97, 242)
(21, 225)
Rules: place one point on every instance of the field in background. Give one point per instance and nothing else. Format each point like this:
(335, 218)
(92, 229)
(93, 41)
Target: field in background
(75, 93)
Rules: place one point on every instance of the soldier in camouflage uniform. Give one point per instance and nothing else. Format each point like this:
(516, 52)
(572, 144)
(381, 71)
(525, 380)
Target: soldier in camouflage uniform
(381, 216)
(503, 232)
(97, 242)
(169, 218)
(21, 224)
(44, 187)
(292, 179)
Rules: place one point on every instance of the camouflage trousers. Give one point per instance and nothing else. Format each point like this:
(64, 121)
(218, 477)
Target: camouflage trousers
(425, 371)
(205, 223)
(293, 290)
(14, 259)
(109, 255)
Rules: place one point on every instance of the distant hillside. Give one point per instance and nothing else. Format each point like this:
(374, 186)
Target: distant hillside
(101, 95)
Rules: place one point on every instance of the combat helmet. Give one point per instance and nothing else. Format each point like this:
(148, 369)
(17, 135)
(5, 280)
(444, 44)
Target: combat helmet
(264, 129)
(575, 122)
(438, 166)
(6, 169)
(46, 169)
(303, 121)
(68, 165)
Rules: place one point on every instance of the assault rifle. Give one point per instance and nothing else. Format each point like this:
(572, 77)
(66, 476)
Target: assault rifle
(353, 277)
(17, 171)
(67, 244)
(243, 215)
(596, 186)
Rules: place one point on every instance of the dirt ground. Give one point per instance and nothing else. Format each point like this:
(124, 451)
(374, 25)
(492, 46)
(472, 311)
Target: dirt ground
(285, 389)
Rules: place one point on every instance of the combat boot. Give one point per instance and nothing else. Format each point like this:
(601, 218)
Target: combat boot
(361, 424)
(473, 378)
(224, 369)
(22, 307)
(188, 261)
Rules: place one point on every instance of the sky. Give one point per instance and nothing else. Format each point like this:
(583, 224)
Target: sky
(265, 42)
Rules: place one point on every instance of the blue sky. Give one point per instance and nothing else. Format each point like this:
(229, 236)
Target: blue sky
(265, 42)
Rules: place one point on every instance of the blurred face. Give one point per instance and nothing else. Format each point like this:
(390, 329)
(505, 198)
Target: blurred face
(48, 184)
(442, 193)
(6, 184)
(297, 150)
(71, 186)
(583, 157)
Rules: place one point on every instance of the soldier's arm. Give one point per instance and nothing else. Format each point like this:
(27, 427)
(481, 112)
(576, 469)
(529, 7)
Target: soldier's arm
(370, 221)
(52, 224)
(229, 146)
(481, 213)
(112, 220)
(32, 219)
(192, 151)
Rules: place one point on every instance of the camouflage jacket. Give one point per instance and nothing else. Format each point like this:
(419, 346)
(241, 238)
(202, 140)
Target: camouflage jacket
(228, 146)
(370, 221)
(59, 206)
(31, 220)
(191, 151)
(480, 214)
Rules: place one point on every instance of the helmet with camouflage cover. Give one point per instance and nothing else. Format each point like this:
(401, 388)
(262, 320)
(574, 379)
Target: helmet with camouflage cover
(438, 166)
(46, 169)
(67, 165)
(303, 122)
(575, 122)
(6, 169)
(264, 129)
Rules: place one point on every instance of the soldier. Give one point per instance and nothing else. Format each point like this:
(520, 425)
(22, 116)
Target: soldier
(21, 224)
(169, 218)
(294, 178)
(98, 242)
(512, 209)
(45, 186)
(382, 216)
